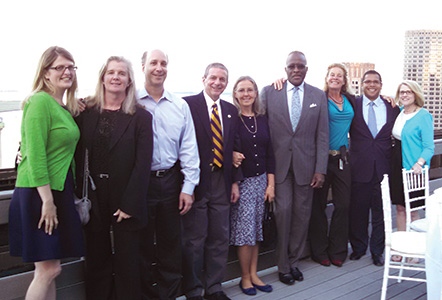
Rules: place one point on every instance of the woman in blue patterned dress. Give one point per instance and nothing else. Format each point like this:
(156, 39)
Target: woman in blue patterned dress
(258, 166)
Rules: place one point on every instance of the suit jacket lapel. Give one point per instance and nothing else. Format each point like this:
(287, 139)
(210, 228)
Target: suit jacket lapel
(306, 101)
(360, 109)
(227, 117)
(203, 114)
(121, 124)
(283, 106)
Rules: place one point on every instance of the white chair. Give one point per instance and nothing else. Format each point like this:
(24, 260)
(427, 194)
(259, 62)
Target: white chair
(403, 243)
(416, 188)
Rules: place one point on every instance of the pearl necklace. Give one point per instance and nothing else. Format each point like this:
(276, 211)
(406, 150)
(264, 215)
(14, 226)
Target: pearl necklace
(256, 126)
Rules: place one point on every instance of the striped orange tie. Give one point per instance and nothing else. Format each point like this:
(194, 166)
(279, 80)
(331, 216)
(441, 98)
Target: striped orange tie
(217, 137)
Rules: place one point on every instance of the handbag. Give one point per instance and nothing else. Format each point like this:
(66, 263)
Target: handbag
(83, 205)
(269, 227)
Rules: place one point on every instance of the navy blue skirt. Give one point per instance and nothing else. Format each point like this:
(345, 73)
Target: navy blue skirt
(33, 244)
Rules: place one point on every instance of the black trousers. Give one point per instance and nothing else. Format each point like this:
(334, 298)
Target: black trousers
(331, 243)
(112, 267)
(161, 239)
(366, 197)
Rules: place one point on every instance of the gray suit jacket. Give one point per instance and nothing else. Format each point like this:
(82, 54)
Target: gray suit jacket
(307, 147)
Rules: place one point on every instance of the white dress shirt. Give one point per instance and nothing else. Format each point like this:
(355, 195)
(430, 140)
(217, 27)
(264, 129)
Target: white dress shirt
(174, 136)
(380, 111)
(290, 90)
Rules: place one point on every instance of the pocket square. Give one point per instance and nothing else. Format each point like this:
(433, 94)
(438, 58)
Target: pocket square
(313, 105)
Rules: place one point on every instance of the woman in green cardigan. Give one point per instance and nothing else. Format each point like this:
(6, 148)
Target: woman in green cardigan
(43, 223)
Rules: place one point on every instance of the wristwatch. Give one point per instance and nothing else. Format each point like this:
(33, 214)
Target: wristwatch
(420, 163)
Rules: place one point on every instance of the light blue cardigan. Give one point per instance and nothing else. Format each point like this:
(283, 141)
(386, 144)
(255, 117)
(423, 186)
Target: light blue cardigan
(417, 139)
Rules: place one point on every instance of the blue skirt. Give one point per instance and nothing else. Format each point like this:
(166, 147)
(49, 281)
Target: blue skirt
(247, 213)
(33, 244)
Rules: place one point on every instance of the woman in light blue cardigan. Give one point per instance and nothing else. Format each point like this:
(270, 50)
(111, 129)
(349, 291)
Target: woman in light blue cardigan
(414, 143)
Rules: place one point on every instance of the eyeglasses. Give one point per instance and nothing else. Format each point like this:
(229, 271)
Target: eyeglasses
(300, 67)
(372, 82)
(408, 93)
(61, 68)
(243, 91)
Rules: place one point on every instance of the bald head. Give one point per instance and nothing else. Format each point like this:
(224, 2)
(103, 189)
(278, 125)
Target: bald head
(155, 68)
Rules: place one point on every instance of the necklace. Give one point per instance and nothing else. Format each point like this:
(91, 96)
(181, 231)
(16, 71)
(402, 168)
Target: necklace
(410, 112)
(256, 126)
(336, 101)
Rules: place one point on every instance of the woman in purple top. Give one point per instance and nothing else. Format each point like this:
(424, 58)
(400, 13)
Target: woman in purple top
(258, 166)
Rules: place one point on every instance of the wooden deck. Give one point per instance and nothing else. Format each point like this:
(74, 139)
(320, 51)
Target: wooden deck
(354, 280)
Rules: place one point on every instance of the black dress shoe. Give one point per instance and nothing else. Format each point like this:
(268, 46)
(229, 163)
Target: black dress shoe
(286, 278)
(297, 275)
(217, 296)
(378, 260)
(355, 256)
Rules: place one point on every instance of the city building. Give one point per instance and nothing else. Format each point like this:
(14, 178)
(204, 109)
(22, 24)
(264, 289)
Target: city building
(423, 64)
(355, 73)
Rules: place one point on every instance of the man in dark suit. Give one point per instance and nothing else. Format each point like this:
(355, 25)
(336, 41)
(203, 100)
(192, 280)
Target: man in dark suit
(175, 156)
(370, 152)
(298, 121)
(206, 226)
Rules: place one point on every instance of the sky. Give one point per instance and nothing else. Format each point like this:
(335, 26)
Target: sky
(250, 37)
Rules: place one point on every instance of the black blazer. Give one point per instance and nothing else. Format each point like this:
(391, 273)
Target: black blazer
(200, 115)
(370, 155)
(130, 151)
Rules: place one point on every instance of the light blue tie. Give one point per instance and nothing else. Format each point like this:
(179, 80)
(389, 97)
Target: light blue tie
(372, 120)
(296, 108)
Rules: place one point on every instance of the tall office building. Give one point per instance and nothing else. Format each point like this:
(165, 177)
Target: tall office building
(355, 73)
(423, 64)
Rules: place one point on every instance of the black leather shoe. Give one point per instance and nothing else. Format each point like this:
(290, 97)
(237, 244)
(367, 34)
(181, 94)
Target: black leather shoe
(355, 256)
(297, 275)
(217, 296)
(378, 260)
(286, 278)
(195, 298)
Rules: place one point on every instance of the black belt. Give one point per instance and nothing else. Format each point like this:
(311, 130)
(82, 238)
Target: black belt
(160, 173)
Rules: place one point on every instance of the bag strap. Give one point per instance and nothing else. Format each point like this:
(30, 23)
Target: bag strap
(86, 173)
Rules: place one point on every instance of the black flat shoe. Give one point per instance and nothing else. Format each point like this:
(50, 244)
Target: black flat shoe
(297, 275)
(286, 278)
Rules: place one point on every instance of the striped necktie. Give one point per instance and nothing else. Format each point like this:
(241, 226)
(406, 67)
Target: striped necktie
(217, 137)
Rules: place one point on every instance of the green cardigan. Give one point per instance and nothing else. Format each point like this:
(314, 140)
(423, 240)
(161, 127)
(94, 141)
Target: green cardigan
(49, 136)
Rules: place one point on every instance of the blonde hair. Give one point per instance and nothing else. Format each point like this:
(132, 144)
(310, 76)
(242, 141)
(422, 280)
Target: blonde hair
(256, 107)
(415, 88)
(129, 103)
(42, 84)
(345, 89)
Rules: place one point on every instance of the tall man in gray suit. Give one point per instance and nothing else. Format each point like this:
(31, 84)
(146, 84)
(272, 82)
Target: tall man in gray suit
(298, 121)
